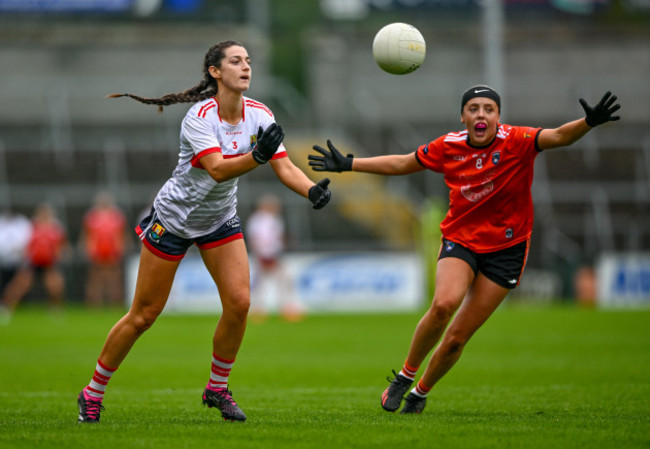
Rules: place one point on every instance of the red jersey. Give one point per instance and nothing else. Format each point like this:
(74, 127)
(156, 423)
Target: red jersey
(104, 230)
(490, 202)
(46, 243)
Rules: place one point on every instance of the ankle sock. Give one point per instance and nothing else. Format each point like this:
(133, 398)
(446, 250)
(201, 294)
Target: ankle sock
(421, 390)
(409, 371)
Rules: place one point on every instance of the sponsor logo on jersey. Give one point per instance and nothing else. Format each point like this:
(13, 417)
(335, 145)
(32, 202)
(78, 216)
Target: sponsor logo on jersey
(496, 156)
(156, 232)
(233, 222)
(477, 193)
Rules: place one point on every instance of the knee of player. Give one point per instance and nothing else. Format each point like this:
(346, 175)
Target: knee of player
(454, 342)
(237, 303)
(144, 318)
(442, 309)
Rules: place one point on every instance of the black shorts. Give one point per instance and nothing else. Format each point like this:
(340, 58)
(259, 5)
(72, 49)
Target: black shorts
(503, 267)
(168, 246)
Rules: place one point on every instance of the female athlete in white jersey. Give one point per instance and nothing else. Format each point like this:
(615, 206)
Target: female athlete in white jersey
(223, 136)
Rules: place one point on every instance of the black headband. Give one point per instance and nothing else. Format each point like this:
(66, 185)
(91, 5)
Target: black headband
(480, 90)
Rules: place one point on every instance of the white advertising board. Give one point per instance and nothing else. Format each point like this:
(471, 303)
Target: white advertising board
(358, 281)
(624, 280)
(320, 282)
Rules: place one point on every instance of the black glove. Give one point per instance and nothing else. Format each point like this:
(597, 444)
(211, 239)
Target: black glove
(319, 194)
(268, 142)
(330, 161)
(602, 112)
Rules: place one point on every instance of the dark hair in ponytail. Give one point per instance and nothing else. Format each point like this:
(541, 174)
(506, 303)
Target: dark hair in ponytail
(206, 88)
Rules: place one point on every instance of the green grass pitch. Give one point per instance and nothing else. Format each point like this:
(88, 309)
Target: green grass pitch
(557, 377)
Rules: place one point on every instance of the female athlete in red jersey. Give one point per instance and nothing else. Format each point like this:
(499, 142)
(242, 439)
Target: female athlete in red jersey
(104, 241)
(47, 246)
(488, 168)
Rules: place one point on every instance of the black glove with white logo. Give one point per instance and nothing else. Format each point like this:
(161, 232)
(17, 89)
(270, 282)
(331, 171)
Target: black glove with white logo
(602, 112)
(268, 141)
(331, 160)
(319, 194)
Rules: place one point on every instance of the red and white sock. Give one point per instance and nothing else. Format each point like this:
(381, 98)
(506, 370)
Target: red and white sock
(409, 371)
(421, 389)
(219, 372)
(97, 385)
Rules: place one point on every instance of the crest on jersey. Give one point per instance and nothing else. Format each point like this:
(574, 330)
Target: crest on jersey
(156, 232)
(449, 246)
(496, 157)
(253, 140)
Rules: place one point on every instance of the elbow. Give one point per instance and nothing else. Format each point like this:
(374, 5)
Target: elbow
(218, 175)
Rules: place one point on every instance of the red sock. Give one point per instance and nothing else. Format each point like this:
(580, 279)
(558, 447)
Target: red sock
(409, 371)
(97, 385)
(421, 389)
(219, 373)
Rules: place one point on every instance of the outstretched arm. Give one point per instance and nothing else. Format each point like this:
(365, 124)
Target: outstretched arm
(333, 160)
(572, 131)
(294, 178)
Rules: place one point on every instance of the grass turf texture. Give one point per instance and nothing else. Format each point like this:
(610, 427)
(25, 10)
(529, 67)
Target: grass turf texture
(533, 378)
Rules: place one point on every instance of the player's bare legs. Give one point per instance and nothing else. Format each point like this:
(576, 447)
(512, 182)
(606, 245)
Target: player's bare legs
(155, 278)
(18, 288)
(482, 299)
(453, 279)
(228, 266)
(55, 286)
(93, 288)
(104, 278)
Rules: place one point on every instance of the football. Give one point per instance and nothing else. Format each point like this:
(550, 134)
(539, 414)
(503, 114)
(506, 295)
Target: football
(399, 48)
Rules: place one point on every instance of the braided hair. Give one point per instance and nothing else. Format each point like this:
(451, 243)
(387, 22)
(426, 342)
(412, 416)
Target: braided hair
(206, 88)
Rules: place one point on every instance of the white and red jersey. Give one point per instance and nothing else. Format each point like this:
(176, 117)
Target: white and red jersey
(490, 203)
(265, 233)
(192, 203)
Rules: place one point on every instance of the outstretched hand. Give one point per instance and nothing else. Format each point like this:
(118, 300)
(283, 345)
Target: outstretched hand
(331, 160)
(602, 112)
(319, 194)
(268, 141)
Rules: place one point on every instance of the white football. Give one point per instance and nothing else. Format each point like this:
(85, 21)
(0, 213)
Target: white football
(399, 48)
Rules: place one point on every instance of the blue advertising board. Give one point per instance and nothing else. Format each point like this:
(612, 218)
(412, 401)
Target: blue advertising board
(624, 279)
(320, 282)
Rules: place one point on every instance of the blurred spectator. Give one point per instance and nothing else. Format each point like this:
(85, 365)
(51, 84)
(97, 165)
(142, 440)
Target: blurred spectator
(104, 242)
(265, 233)
(47, 245)
(15, 232)
(585, 286)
